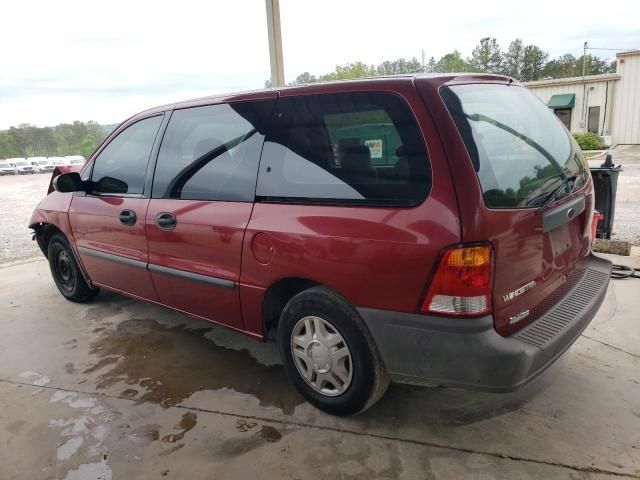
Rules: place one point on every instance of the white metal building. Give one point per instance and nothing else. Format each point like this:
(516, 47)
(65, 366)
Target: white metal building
(607, 104)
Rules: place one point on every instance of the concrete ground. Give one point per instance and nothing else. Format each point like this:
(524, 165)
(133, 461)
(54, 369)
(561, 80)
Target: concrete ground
(121, 389)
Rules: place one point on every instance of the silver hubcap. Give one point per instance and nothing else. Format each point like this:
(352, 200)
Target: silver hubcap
(321, 356)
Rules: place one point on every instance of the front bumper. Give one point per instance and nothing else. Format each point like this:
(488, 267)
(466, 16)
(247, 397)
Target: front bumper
(470, 354)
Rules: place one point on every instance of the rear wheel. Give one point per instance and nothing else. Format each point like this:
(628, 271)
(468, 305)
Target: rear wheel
(66, 272)
(329, 354)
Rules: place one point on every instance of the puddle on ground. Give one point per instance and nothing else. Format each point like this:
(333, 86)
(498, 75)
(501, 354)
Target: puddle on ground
(186, 424)
(228, 448)
(172, 363)
(270, 434)
(149, 433)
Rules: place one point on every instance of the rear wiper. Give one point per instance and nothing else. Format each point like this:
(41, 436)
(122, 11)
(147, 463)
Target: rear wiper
(479, 117)
(554, 193)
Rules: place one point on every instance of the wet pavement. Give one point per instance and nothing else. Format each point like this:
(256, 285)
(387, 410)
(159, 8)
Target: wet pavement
(121, 389)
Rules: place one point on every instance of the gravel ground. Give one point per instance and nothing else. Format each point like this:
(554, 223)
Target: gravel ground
(19, 195)
(626, 224)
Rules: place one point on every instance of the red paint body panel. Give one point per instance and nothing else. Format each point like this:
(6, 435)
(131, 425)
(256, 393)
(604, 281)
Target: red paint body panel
(523, 252)
(96, 225)
(52, 210)
(376, 257)
(207, 240)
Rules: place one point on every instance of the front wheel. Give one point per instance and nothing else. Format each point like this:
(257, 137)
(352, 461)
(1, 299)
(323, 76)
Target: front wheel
(329, 354)
(66, 271)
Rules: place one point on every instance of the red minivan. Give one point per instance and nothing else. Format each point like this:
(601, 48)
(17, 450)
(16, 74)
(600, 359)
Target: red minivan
(429, 229)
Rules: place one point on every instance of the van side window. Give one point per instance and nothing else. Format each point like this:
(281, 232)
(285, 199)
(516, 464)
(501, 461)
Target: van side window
(345, 148)
(212, 152)
(122, 165)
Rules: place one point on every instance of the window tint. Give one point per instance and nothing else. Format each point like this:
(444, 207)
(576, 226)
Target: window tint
(122, 165)
(518, 147)
(212, 152)
(344, 148)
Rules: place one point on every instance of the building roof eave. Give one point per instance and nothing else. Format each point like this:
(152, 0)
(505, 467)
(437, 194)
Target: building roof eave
(605, 77)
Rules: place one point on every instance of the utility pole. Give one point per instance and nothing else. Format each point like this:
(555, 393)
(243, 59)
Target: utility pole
(584, 84)
(275, 43)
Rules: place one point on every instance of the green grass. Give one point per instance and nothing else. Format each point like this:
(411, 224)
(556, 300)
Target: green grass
(588, 155)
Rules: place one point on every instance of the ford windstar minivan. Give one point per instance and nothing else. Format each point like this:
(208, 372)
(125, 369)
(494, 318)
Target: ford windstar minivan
(429, 229)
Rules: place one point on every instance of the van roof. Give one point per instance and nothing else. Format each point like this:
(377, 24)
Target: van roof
(436, 79)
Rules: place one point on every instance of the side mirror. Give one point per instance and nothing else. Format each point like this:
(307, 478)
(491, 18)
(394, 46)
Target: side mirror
(69, 182)
(110, 185)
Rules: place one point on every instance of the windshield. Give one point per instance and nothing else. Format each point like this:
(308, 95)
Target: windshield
(21, 164)
(77, 160)
(519, 148)
(43, 162)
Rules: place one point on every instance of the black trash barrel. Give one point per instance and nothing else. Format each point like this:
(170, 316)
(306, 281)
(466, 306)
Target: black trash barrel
(605, 184)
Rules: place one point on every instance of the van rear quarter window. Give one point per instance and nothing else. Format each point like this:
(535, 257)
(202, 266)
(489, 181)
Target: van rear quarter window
(519, 149)
(344, 148)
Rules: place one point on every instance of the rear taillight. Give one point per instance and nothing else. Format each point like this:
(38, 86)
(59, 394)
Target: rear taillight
(597, 216)
(461, 285)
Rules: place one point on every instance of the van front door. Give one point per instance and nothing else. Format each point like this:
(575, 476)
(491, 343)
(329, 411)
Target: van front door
(202, 199)
(108, 221)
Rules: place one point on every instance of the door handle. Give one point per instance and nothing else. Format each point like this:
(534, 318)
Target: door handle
(128, 217)
(166, 221)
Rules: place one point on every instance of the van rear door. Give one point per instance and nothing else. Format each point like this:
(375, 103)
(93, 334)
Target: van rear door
(535, 198)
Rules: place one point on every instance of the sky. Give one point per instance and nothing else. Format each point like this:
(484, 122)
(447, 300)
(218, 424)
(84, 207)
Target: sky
(70, 60)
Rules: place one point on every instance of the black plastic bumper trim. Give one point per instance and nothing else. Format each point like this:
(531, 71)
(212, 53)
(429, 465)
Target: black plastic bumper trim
(196, 277)
(470, 353)
(112, 257)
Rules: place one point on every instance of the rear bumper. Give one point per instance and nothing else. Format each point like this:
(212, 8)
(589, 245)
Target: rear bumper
(423, 349)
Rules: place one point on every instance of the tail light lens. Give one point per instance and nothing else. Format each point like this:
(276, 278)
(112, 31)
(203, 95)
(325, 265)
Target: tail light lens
(597, 216)
(461, 285)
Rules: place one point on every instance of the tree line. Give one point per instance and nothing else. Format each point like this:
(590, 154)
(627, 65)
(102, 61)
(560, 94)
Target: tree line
(77, 138)
(520, 61)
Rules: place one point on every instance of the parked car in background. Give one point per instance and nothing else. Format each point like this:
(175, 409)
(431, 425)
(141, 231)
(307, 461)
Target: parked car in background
(58, 161)
(75, 159)
(41, 164)
(6, 168)
(421, 229)
(22, 166)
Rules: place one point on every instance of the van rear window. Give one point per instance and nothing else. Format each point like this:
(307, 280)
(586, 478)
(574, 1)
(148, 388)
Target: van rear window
(519, 148)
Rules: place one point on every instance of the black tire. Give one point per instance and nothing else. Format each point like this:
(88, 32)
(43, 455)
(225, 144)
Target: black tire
(66, 272)
(369, 378)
